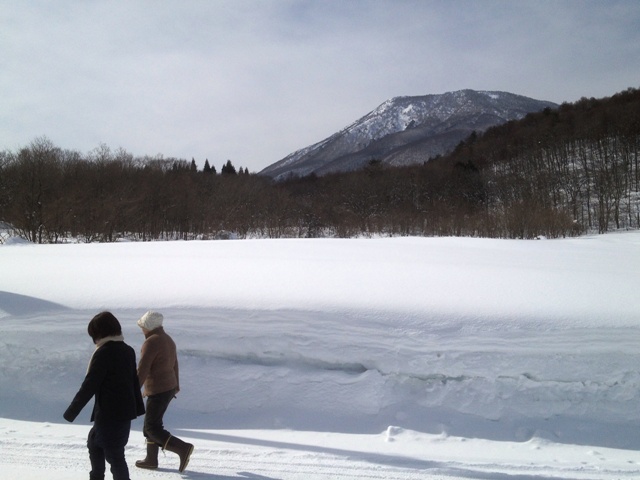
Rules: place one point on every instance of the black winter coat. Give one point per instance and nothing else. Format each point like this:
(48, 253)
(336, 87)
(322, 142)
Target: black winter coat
(113, 379)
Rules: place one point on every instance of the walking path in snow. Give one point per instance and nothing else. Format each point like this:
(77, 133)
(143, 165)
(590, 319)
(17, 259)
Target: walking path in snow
(57, 451)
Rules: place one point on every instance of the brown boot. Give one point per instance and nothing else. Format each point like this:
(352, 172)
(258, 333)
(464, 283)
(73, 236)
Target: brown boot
(151, 461)
(183, 449)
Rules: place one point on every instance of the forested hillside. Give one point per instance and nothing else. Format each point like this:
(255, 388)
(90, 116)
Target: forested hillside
(578, 163)
(559, 172)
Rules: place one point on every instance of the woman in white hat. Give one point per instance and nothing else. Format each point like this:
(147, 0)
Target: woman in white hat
(159, 374)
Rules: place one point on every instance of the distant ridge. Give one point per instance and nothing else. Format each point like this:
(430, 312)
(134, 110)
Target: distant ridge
(407, 130)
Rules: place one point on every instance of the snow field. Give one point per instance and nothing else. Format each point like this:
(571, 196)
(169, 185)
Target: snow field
(387, 358)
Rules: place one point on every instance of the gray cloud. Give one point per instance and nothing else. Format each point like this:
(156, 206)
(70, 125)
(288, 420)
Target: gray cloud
(252, 81)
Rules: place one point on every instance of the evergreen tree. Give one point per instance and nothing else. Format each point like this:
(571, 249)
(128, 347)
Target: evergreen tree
(228, 168)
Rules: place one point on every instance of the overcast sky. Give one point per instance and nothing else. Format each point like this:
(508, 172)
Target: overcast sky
(254, 80)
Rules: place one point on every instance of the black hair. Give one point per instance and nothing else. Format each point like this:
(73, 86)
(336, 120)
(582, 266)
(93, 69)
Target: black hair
(104, 324)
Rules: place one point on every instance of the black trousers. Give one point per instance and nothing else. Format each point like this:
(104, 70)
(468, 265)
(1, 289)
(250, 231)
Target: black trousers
(106, 442)
(153, 428)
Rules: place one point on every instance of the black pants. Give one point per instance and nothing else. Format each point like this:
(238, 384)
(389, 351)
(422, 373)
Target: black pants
(153, 427)
(106, 442)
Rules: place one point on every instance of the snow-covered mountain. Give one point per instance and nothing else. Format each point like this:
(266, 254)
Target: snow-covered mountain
(407, 130)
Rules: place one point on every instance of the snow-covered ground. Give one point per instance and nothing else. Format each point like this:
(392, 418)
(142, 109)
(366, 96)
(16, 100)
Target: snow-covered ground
(398, 358)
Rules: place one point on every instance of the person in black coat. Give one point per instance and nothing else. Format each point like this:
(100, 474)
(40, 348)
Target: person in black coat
(112, 378)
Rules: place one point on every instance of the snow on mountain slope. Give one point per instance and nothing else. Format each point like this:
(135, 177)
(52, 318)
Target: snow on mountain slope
(430, 116)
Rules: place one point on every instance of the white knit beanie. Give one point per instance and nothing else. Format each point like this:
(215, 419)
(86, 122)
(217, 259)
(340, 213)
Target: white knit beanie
(150, 320)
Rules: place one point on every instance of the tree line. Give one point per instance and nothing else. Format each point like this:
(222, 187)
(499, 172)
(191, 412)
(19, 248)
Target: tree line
(554, 173)
(579, 162)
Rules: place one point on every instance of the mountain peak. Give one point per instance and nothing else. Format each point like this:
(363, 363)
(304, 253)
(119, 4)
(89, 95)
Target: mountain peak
(407, 130)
